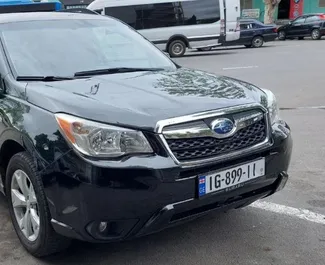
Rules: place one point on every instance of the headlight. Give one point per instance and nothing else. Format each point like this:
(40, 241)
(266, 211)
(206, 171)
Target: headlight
(101, 140)
(272, 106)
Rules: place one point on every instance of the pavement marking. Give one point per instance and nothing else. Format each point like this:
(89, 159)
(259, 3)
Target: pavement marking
(307, 107)
(240, 67)
(288, 46)
(312, 107)
(290, 211)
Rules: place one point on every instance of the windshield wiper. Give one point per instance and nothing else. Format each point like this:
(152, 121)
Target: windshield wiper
(115, 70)
(48, 78)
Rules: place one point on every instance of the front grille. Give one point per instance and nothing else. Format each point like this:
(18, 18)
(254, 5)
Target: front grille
(206, 147)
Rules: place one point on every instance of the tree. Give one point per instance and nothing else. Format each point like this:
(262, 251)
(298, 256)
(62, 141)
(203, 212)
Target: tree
(270, 6)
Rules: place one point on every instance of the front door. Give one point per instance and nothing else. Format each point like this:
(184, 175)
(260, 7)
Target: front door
(297, 27)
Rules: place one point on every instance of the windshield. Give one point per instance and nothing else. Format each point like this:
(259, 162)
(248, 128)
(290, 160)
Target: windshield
(64, 47)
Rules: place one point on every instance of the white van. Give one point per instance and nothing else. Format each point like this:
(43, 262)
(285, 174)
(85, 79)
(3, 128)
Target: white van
(174, 25)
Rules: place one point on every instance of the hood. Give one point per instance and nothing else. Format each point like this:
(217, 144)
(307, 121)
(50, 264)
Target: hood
(139, 100)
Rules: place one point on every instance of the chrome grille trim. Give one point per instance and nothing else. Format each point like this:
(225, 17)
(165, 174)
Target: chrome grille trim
(197, 129)
(201, 129)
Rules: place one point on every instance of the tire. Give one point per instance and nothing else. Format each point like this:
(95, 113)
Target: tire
(300, 38)
(177, 48)
(248, 45)
(315, 34)
(257, 42)
(44, 241)
(282, 35)
(207, 49)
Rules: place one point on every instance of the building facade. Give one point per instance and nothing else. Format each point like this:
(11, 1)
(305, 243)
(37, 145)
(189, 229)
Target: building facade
(287, 9)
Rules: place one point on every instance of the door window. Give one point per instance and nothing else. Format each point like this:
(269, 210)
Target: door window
(199, 12)
(130, 15)
(299, 20)
(159, 15)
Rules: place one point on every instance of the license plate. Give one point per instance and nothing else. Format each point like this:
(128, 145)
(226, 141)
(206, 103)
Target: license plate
(231, 178)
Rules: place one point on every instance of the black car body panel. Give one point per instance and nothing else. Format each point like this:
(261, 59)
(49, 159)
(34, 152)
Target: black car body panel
(168, 198)
(304, 25)
(137, 194)
(82, 192)
(135, 99)
(250, 28)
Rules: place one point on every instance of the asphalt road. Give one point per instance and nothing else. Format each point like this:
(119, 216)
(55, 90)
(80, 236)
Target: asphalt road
(276, 232)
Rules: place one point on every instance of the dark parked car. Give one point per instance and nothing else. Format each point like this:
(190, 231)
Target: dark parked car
(254, 33)
(310, 25)
(104, 138)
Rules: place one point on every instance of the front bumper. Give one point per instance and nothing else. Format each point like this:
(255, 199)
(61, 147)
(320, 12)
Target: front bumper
(144, 195)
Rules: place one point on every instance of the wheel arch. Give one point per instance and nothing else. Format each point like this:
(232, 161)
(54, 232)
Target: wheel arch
(178, 37)
(258, 35)
(13, 141)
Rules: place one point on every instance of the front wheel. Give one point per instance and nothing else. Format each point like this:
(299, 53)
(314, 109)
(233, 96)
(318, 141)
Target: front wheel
(257, 42)
(282, 35)
(315, 34)
(177, 48)
(28, 208)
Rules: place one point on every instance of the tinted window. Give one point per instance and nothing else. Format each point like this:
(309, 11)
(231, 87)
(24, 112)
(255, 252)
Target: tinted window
(132, 15)
(312, 19)
(159, 15)
(199, 12)
(299, 20)
(167, 14)
(246, 26)
(54, 47)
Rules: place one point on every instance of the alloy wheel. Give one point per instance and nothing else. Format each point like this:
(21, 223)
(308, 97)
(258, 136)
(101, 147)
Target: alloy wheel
(282, 35)
(257, 42)
(315, 34)
(24, 202)
(178, 49)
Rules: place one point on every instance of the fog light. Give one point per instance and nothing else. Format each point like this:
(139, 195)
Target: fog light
(102, 227)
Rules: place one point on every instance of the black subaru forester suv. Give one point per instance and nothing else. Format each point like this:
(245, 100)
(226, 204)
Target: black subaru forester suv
(104, 138)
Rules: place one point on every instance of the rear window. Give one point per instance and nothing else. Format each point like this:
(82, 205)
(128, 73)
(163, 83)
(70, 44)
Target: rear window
(312, 19)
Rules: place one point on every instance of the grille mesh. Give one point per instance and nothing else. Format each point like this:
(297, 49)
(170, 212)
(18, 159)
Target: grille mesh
(205, 147)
